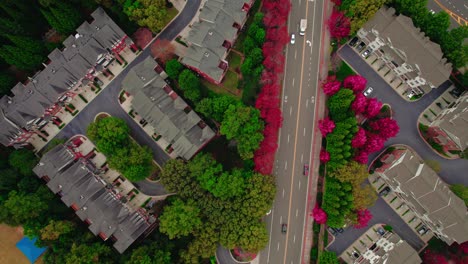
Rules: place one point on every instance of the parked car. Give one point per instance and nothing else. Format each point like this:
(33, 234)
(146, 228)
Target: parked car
(355, 254)
(368, 91)
(284, 228)
(339, 230)
(293, 38)
(423, 230)
(306, 169)
(353, 42)
(361, 46)
(385, 191)
(332, 231)
(381, 231)
(366, 53)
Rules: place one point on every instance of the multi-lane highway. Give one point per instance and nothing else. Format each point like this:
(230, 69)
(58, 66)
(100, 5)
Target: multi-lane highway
(457, 9)
(296, 135)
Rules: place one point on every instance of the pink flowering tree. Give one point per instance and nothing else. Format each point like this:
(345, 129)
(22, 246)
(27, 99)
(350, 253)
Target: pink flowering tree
(373, 143)
(363, 218)
(385, 127)
(331, 86)
(359, 138)
(326, 126)
(373, 107)
(359, 105)
(357, 83)
(319, 215)
(339, 25)
(324, 156)
(362, 157)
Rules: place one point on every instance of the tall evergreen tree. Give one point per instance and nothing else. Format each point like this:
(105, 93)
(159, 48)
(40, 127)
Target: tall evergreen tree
(62, 17)
(7, 81)
(22, 59)
(28, 44)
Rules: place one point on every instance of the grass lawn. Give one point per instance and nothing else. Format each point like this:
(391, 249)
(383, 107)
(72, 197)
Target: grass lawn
(229, 85)
(9, 236)
(171, 13)
(344, 71)
(234, 60)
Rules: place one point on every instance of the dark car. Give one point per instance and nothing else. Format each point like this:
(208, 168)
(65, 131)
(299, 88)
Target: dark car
(306, 169)
(353, 42)
(361, 46)
(339, 230)
(332, 231)
(385, 191)
(284, 228)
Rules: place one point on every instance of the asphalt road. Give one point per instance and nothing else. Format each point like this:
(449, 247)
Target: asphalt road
(458, 7)
(107, 101)
(406, 113)
(300, 86)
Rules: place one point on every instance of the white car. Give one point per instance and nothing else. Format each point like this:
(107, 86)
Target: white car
(293, 38)
(368, 91)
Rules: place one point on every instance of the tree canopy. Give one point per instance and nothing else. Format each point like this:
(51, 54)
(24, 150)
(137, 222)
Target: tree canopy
(180, 219)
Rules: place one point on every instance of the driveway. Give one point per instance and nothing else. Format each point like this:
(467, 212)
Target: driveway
(107, 101)
(406, 113)
(223, 255)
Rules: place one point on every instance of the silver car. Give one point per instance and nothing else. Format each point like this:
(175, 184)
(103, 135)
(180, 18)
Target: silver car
(368, 91)
(293, 38)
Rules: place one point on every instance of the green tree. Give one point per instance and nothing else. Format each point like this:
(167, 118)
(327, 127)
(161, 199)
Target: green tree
(360, 11)
(28, 44)
(109, 134)
(149, 254)
(248, 45)
(364, 197)
(461, 191)
(215, 107)
(339, 104)
(24, 161)
(55, 229)
(190, 85)
(243, 124)
(353, 172)
(8, 182)
(175, 176)
(180, 219)
(435, 26)
(7, 81)
(63, 17)
(174, 68)
(328, 257)
(22, 59)
(147, 13)
(21, 207)
(133, 161)
(84, 253)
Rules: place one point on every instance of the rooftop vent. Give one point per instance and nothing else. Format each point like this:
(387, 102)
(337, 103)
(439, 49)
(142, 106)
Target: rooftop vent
(97, 28)
(206, 54)
(152, 99)
(73, 45)
(143, 78)
(210, 33)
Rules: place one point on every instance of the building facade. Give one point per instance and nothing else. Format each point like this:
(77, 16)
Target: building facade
(211, 38)
(449, 127)
(409, 61)
(425, 194)
(103, 204)
(67, 72)
(379, 246)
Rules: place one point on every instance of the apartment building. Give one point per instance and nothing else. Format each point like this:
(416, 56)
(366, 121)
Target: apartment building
(68, 71)
(102, 204)
(449, 127)
(170, 116)
(403, 54)
(380, 246)
(425, 194)
(211, 38)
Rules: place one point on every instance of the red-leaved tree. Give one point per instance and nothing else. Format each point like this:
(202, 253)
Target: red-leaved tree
(373, 107)
(373, 143)
(142, 37)
(357, 83)
(359, 138)
(331, 86)
(361, 157)
(339, 25)
(326, 126)
(432, 257)
(359, 104)
(385, 127)
(324, 156)
(162, 49)
(363, 218)
(319, 215)
(336, 2)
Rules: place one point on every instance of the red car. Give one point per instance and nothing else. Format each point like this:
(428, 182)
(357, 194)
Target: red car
(306, 169)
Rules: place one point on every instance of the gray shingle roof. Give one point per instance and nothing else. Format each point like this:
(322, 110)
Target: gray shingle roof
(205, 60)
(164, 112)
(417, 48)
(232, 8)
(430, 196)
(95, 203)
(65, 70)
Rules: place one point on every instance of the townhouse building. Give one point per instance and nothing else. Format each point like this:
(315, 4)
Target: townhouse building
(409, 62)
(68, 71)
(168, 114)
(211, 38)
(425, 194)
(449, 127)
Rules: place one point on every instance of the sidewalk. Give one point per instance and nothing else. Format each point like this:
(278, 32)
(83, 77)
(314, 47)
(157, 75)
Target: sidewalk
(317, 139)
